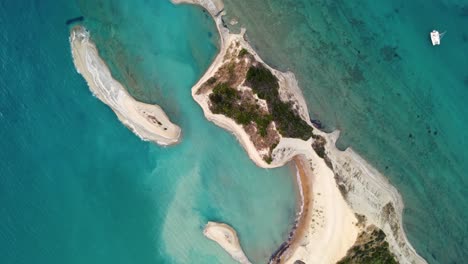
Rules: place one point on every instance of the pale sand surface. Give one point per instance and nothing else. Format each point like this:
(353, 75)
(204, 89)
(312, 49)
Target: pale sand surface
(149, 122)
(331, 228)
(227, 238)
(369, 193)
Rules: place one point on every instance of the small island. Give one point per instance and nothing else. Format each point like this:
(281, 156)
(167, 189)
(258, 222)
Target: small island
(149, 122)
(227, 238)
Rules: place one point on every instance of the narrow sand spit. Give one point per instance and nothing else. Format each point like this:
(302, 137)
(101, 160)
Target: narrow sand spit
(226, 237)
(329, 228)
(149, 122)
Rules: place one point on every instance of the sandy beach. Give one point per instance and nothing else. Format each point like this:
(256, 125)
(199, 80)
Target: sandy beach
(147, 121)
(327, 226)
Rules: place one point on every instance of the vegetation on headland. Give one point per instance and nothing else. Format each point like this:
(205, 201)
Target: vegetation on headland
(228, 101)
(371, 248)
(287, 121)
(319, 147)
(247, 92)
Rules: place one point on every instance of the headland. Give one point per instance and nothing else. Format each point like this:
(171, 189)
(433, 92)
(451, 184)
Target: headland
(343, 198)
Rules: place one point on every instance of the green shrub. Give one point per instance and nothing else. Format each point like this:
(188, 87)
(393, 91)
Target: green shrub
(288, 122)
(243, 52)
(225, 100)
(211, 80)
(374, 251)
(319, 146)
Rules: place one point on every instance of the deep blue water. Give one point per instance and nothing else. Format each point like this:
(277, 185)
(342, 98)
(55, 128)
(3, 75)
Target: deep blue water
(368, 68)
(76, 186)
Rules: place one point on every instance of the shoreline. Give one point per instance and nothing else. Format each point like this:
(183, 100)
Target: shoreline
(304, 203)
(382, 204)
(367, 191)
(148, 122)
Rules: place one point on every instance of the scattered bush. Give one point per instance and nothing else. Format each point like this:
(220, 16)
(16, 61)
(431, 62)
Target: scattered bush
(319, 146)
(226, 100)
(243, 52)
(211, 80)
(268, 159)
(374, 251)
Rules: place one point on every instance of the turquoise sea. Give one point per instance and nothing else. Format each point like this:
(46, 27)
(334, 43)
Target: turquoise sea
(76, 186)
(368, 68)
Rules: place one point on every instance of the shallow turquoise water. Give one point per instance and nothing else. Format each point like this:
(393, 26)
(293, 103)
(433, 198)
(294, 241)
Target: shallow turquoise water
(76, 186)
(368, 68)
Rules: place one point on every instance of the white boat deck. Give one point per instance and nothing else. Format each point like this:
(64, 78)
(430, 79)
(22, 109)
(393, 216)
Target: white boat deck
(435, 37)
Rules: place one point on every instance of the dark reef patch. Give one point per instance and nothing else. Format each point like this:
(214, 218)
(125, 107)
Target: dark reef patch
(389, 53)
(74, 20)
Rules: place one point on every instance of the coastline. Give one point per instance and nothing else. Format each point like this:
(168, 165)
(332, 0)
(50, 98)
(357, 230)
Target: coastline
(370, 193)
(367, 192)
(305, 205)
(149, 122)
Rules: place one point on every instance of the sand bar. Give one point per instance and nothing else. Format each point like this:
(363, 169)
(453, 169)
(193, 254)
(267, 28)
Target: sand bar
(227, 238)
(147, 121)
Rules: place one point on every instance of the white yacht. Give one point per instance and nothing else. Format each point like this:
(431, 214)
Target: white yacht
(435, 37)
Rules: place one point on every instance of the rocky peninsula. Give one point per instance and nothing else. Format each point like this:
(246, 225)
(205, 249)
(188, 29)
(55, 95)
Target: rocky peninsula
(344, 199)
